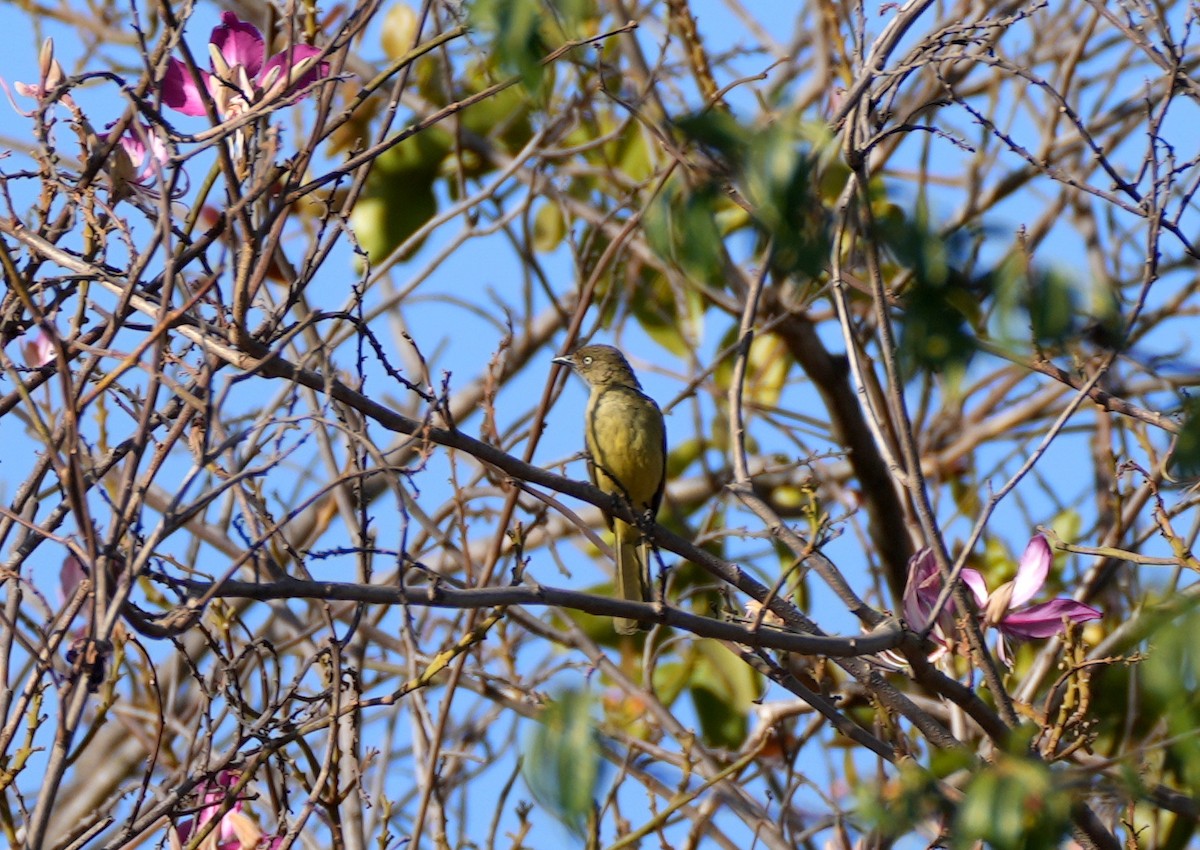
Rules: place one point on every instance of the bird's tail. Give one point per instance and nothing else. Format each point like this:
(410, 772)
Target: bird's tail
(633, 579)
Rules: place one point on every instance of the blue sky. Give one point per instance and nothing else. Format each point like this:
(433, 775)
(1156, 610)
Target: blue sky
(461, 339)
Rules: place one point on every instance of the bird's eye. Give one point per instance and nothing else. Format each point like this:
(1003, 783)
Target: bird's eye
(587, 361)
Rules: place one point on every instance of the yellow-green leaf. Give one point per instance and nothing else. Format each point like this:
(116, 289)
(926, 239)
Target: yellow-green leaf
(549, 228)
(399, 30)
(723, 689)
(562, 762)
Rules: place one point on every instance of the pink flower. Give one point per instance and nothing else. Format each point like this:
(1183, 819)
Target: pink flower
(139, 148)
(235, 831)
(38, 351)
(1001, 608)
(921, 592)
(51, 78)
(71, 575)
(239, 76)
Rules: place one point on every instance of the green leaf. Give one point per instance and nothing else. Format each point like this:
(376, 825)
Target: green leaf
(1052, 307)
(683, 454)
(774, 167)
(933, 334)
(672, 322)
(671, 678)
(1033, 304)
(1016, 803)
(998, 563)
(549, 228)
(515, 30)
(909, 797)
(387, 214)
(766, 369)
(935, 329)
(399, 199)
(718, 132)
(523, 32)
(1185, 461)
(779, 183)
(562, 762)
(633, 154)
(421, 153)
(503, 117)
(1068, 525)
(681, 227)
(399, 30)
(1172, 677)
(723, 688)
(965, 491)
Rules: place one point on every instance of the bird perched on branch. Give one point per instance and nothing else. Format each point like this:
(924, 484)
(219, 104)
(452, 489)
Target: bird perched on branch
(627, 456)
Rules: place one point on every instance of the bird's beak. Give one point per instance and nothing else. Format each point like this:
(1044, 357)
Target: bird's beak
(563, 361)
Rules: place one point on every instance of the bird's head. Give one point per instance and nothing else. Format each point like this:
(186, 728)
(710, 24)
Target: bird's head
(600, 365)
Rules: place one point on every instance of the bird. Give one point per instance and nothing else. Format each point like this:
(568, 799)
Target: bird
(626, 442)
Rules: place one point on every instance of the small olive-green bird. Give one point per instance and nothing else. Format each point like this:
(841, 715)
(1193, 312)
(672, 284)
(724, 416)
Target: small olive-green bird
(627, 456)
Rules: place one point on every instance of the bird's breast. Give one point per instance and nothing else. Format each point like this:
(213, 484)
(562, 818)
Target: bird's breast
(625, 437)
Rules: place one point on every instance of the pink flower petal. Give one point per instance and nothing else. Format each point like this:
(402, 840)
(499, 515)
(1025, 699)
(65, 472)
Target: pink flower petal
(156, 159)
(71, 575)
(292, 57)
(215, 794)
(146, 150)
(133, 146)
(179, 91)
(1002, 651)
(1031, 571)
(239, 42)
(1046, 618)
(134, 141)
(38, 351)
(184, 829)
(917, 600)
(921, 592)
(972, 579)
(32, 90)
